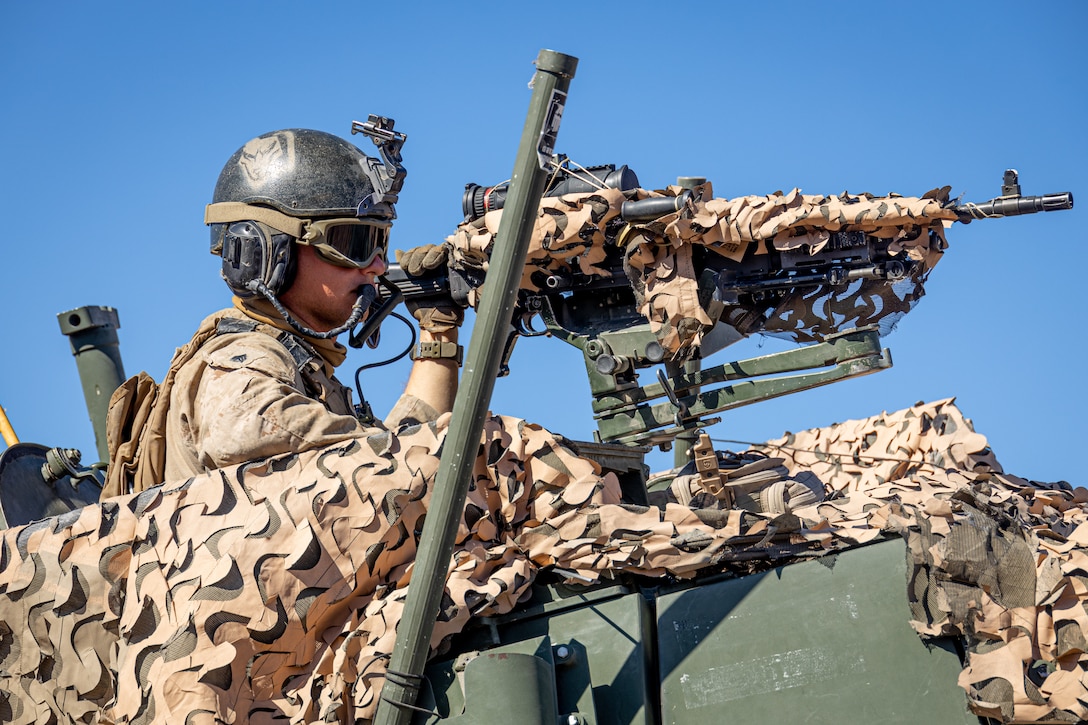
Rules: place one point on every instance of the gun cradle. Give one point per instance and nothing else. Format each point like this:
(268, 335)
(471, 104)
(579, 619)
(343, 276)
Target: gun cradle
(615, 346)
(623, 419)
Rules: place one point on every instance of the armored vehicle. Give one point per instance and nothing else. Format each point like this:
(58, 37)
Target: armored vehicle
(762, 586)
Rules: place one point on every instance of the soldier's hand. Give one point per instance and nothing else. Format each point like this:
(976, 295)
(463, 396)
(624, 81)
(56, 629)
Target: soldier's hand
(433, 315)
(417, 261)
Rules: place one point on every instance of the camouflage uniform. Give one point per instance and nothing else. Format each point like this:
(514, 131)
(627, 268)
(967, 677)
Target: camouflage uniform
(252, 391)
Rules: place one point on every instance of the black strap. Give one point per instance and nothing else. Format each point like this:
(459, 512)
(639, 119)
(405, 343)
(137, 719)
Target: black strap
(298, 351)
(229, 325)
(294, 346)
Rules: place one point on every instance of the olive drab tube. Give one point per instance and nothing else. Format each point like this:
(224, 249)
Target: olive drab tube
(92, 332)
(550, 83)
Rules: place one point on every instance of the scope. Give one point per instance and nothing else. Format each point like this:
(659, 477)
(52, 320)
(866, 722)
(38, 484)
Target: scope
(478, 200)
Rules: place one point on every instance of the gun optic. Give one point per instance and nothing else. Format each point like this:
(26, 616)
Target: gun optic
(478, 200)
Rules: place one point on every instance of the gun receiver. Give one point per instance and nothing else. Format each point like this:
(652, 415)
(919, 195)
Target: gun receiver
(599, 313)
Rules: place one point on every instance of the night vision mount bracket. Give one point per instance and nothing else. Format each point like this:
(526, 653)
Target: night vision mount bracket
(388, 174)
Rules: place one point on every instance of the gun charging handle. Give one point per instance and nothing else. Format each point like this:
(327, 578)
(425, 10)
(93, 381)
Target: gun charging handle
(646, 210)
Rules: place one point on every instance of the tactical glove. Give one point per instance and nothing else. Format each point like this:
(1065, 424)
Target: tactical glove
(433, 315)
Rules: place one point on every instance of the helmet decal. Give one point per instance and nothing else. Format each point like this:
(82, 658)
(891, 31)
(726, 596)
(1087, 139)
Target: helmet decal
(262, 155)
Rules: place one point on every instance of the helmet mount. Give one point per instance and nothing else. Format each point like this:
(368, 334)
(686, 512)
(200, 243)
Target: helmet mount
(387, 176)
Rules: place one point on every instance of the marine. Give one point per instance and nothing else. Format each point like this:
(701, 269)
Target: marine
(301, 220)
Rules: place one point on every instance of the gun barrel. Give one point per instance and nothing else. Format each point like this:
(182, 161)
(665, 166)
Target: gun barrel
(1014, 206)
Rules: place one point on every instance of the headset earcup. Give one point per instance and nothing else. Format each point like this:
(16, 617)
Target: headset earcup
(254, 251)
(243, 256)
(281, 263)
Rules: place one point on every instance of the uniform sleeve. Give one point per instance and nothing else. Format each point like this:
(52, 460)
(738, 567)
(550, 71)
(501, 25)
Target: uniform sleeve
(409, 410)
(251, 404)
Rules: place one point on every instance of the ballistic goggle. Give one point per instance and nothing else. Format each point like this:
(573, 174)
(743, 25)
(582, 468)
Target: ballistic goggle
(342, 242)
(347, 242)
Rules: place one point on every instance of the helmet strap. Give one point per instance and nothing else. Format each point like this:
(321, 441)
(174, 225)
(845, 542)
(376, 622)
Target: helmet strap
(362, 303)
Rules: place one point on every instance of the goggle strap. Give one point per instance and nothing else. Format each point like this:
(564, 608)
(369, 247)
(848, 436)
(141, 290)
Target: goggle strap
(226, 212)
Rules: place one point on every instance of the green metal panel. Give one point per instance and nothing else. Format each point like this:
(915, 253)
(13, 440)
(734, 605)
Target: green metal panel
(597, 641)
(825, 641)
(490, 680)
(816, 642)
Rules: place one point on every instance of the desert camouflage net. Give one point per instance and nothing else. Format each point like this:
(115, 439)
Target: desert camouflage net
(271, 591)
(577, 232)
(569, 233)
(997, 559)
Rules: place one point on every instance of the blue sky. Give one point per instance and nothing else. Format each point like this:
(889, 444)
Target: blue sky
(117, 118)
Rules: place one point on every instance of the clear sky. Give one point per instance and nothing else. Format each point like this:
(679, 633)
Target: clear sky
(117, 117)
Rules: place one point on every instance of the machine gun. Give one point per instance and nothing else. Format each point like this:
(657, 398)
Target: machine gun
(795, 290)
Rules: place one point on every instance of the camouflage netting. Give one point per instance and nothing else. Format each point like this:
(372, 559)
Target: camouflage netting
(270, 591)
(997, 559)
(575, 232)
